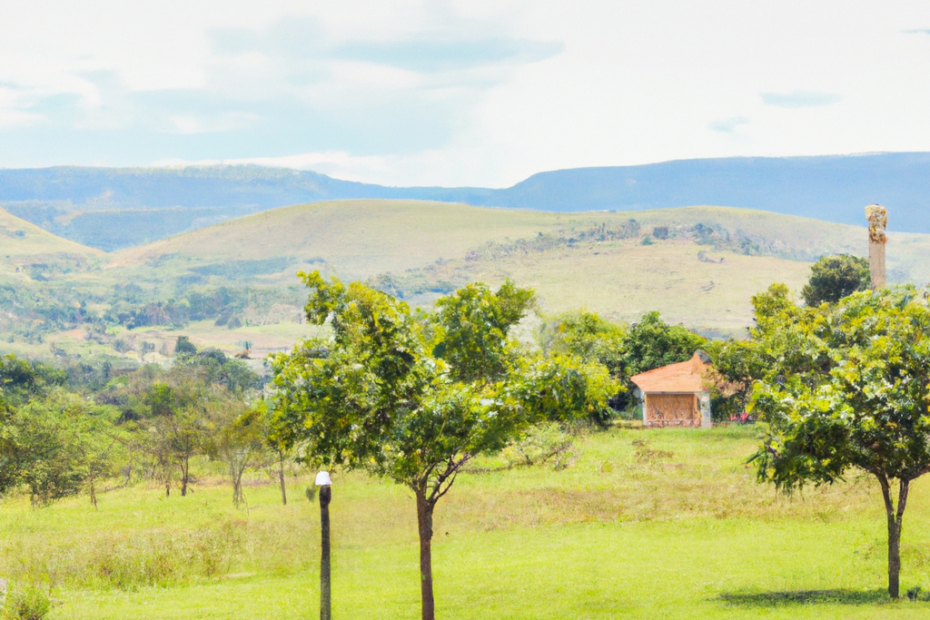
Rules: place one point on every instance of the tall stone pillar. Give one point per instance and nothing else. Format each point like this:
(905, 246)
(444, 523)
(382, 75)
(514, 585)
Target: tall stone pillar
(878, 221)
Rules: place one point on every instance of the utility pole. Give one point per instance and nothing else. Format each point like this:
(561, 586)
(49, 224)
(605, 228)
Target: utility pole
(326, 494)
(878, 222)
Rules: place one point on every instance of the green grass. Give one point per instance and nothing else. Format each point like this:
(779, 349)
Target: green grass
(619, 533)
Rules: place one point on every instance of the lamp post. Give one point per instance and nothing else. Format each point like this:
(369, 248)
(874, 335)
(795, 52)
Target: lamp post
(326, 495)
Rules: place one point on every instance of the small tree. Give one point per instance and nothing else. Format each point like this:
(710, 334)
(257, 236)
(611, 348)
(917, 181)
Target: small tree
(846, 387)
(237, 438)
(176, 421)
(835, 277)
(414, 396)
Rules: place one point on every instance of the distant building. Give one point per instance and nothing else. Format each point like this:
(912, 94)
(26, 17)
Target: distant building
(675, 395)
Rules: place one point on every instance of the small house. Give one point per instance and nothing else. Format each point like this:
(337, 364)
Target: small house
(675, 395)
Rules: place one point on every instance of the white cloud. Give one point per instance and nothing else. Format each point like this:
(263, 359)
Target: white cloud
(728, 125)
(456, 92)
(800, 99)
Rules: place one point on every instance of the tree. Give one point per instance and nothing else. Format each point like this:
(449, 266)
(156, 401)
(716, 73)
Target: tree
(845, 386)
(236, 437)
(652, 343)
(835, 277)
(276, 453)
(176, 421)
(592, 339)
(413, 396)
(56, 445)
(184, 347)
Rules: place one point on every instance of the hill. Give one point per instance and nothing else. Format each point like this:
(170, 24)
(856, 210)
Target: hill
(233, 282)
(22, 238)
(699, 265)
(27, 251)
(115, 208)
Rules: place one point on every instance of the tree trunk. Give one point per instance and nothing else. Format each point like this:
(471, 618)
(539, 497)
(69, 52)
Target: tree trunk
(185, 468)
(281, 479)
(894, 517)
(425, 522)
(129, 469)
(236, 474)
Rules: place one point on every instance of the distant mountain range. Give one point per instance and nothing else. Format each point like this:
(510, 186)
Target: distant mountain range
(113, 208)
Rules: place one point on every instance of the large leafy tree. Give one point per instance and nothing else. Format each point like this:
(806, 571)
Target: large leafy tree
(835, 277)
(413, 396)
(845, 386)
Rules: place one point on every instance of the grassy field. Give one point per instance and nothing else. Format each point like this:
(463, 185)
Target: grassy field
(641, 524)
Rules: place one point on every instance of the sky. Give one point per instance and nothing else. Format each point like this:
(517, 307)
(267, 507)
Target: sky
(472, 93)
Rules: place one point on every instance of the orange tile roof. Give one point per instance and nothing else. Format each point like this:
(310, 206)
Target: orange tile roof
(681, 377)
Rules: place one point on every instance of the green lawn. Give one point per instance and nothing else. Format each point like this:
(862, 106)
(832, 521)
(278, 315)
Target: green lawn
(674, 527)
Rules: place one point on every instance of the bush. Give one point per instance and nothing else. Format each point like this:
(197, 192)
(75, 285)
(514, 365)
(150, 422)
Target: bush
(25, 603)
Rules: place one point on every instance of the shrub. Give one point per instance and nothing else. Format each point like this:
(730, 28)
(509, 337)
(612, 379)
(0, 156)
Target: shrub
(25, 602)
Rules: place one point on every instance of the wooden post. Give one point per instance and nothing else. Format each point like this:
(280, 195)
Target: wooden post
(326, 495)
(878, 221)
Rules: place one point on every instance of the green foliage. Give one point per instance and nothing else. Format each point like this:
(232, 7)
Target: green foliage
(215, 368)
(471, 329)
(587, 336)
(25, 602)
(414, 396)
(237, 436)
(856, 373)
(736, 364)
(652, 343)
(184, 347)
(21, 379)
(384, 394)
(845, 386)
(56, 445)
(835, 277)
(648, 344)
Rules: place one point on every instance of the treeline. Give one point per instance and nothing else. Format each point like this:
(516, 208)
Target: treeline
(625, 350)
(67, 431)
(36, 310)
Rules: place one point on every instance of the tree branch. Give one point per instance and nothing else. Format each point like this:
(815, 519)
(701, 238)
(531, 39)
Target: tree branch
(452, 469)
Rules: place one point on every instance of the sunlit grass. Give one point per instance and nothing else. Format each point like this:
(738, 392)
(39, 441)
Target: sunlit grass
(619, 533)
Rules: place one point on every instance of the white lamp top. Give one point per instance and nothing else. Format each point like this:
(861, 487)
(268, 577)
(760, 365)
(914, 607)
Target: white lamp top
(322, 479)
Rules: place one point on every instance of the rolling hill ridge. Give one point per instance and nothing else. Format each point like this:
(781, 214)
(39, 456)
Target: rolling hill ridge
(235, 281)
(116, 208)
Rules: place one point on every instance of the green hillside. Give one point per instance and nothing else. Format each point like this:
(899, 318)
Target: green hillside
(697, 265)
(702, 274)
(29, 253)
(19, 238)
